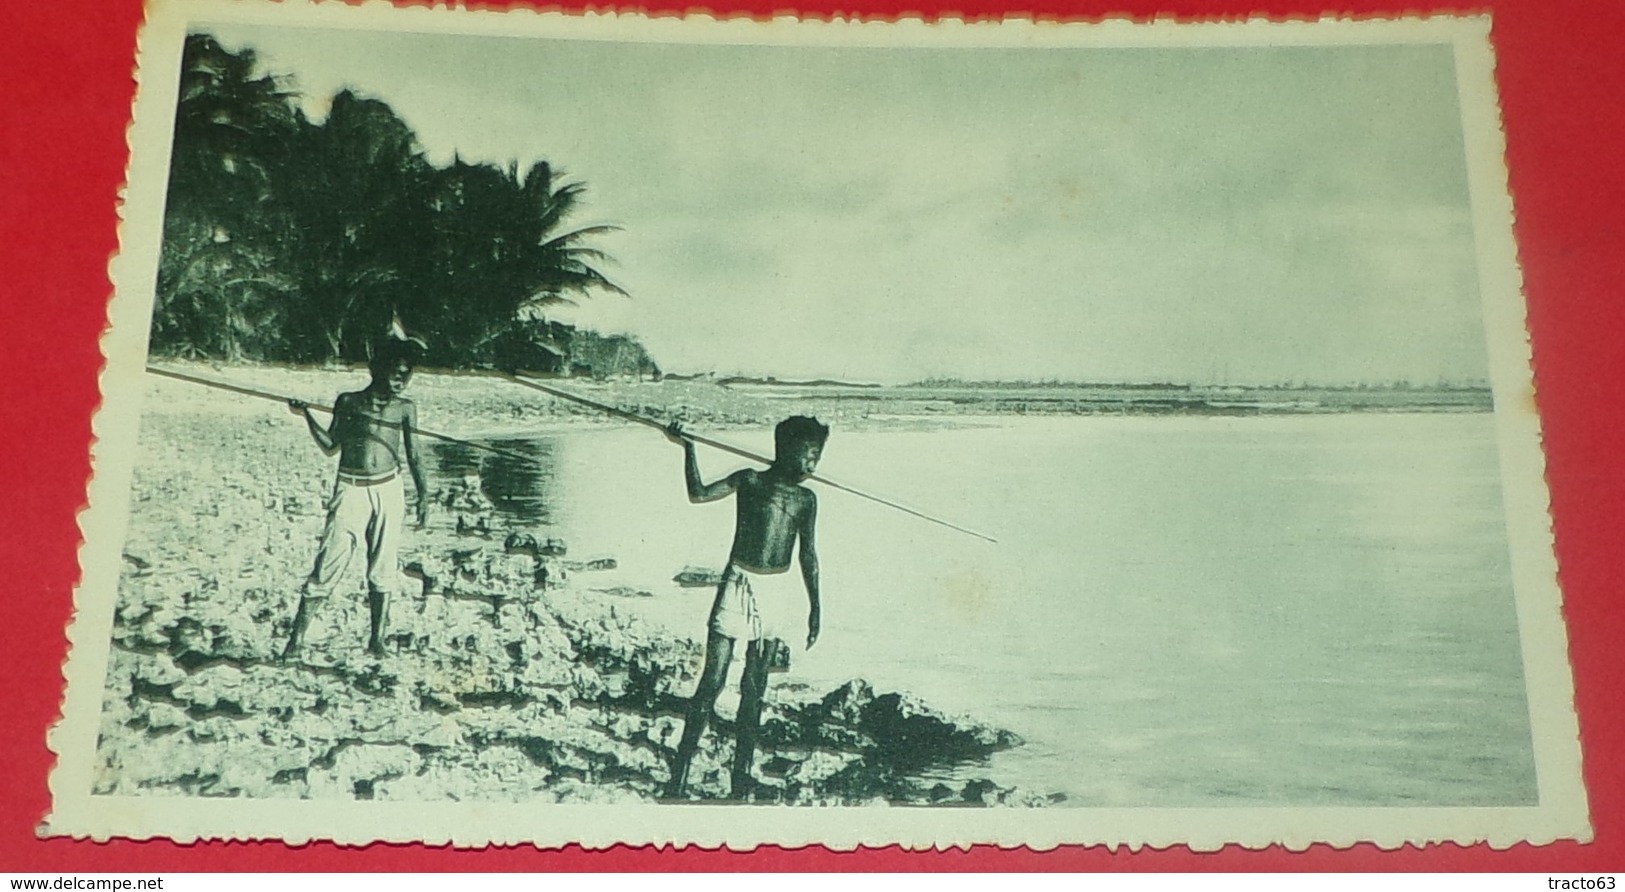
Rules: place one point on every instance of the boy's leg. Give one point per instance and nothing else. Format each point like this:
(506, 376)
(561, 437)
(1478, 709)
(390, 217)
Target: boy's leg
(378, 611)
(346, 517)
(751, 688)
(719, 651)
(301, 622)
(387, 515)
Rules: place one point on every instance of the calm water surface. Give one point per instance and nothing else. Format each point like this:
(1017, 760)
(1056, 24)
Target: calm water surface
(1179, 612)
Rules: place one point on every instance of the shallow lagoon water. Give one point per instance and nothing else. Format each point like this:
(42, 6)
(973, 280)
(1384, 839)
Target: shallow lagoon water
(1180, 611)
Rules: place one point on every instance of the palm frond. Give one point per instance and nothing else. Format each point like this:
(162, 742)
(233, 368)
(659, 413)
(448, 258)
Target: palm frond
(563, 240)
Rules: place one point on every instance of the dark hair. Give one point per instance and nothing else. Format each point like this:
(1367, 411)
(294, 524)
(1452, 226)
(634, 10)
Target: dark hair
(389, 351)
(798, 429)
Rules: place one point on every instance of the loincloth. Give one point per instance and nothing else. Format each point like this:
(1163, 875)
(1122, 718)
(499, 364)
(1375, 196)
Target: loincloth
(754, 606)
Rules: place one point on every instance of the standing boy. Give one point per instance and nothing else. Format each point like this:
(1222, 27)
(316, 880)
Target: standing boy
(371, 431)
(773, 511)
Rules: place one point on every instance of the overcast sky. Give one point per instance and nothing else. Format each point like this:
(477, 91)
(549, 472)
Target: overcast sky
(1218, 214)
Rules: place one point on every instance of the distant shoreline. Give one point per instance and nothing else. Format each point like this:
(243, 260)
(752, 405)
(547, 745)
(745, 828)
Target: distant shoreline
(479, 402)
(1022, 398)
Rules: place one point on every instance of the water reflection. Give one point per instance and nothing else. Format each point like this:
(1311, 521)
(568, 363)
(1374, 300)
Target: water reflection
(522, 491)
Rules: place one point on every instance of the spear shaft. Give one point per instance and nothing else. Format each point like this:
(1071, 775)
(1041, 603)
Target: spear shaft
(279, 398)
(735, 450)
(580, 400)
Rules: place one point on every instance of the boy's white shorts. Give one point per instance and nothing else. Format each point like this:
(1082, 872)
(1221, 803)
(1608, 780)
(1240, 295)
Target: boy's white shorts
(751, 606)
(363, 517)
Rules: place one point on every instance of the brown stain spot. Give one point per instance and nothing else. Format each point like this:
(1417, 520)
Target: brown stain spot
(967, 590)
(1526, 400)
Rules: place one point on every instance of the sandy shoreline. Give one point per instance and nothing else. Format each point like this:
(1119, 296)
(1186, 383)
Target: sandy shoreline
(509, 677)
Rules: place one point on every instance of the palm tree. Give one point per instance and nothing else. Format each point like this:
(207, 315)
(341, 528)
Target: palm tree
(561, 263)
(500, 259)
(358, 197)
(290, 239)
(231, 127)
(216, 278)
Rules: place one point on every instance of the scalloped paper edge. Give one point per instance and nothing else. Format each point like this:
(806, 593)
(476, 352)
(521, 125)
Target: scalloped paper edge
(1562, 810)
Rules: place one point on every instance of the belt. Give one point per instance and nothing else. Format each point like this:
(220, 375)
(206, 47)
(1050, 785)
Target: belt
(735, 567)
(354, 480)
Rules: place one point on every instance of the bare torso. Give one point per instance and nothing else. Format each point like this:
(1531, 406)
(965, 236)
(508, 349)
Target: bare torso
(367, 429)
(769, 514)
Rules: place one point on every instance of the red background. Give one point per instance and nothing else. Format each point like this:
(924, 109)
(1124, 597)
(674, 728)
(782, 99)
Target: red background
(65, 91)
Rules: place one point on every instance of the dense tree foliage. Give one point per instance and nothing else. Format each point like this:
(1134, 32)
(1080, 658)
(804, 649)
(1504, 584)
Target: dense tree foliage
(291, 240)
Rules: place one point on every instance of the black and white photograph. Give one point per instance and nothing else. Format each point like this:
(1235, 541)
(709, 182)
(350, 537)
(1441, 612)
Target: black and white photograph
(596, 429)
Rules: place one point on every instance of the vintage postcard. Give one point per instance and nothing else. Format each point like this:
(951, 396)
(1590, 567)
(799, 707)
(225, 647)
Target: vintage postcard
(536, 428)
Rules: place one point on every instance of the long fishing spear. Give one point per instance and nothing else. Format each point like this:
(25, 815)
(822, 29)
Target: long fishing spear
(275, 397)
(726, 447)
(566, 395)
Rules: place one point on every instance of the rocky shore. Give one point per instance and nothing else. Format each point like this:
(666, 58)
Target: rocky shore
(509, 675)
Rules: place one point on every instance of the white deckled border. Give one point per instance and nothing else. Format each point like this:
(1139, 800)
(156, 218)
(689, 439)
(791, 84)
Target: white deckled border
(1560, 814)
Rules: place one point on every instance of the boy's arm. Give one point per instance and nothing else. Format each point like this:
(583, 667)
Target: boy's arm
(808, 552)
(699, 490)
(323, 436)
(409, 423)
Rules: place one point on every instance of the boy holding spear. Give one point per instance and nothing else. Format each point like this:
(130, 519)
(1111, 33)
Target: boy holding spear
(774, 513)
(371, 431)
